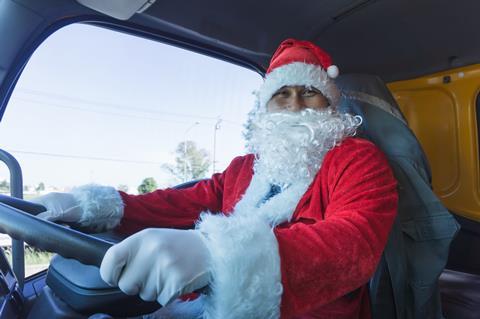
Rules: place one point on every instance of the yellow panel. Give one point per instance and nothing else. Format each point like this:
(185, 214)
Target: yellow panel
(431, 115)
(441, 110)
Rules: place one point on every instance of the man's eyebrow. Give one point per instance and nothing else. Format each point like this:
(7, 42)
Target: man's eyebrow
(283, 87)
(309, 87)
(316, 90)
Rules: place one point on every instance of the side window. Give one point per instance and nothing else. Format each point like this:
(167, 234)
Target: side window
(98, 106)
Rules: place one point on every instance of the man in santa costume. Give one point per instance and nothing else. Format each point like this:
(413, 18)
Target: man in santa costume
(293, 230)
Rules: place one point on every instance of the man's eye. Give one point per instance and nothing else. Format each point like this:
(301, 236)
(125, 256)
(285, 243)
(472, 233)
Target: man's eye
(281, 93)
(309, 92)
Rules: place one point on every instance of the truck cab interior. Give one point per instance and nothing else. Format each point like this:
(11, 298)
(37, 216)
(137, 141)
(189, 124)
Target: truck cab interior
(411, 69)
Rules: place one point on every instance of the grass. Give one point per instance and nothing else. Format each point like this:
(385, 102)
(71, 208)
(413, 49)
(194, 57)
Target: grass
(35, 259)
(33, 256)
(30, 196)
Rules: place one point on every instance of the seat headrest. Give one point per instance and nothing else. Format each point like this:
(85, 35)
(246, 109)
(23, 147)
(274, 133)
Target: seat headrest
(369, 89)
(383, 122)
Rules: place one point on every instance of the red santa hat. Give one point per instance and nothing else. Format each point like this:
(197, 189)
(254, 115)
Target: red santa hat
(302, 63)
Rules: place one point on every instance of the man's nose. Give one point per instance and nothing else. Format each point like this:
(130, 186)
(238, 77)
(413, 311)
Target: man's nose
(296, 103)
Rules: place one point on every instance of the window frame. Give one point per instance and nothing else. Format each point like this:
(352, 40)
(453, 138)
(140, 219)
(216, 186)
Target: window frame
(8, 84)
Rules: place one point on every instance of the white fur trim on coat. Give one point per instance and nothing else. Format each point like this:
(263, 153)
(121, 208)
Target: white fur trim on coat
(245, 267)
(245, 260)
(298, 73)
(102, 206)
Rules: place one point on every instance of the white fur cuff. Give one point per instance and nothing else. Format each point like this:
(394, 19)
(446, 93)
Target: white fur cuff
(102, 206)
(245, 267)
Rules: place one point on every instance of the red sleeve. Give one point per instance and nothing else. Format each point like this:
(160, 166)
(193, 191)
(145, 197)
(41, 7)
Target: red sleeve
(175, 208)
(325, 260)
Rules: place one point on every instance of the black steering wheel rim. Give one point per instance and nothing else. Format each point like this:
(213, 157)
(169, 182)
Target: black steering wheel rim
(18, 220)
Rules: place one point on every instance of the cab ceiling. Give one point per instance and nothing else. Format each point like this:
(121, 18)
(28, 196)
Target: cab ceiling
(395, 39)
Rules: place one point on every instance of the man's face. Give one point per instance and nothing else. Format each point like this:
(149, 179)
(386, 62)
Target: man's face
(297, 98)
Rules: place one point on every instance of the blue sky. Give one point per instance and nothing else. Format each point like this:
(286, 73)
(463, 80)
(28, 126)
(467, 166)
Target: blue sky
(94, 105)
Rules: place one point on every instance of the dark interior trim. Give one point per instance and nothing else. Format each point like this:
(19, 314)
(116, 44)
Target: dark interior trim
(464, 256)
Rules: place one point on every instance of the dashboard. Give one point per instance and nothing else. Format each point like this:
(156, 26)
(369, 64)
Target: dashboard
(11, 300)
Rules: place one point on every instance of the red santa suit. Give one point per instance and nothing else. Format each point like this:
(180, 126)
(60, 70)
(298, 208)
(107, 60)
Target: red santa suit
(307, 252)
(313, 262)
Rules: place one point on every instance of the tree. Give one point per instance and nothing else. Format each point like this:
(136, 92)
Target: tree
(40, 187)
(4, 186)
(190, 162)
(148, 185)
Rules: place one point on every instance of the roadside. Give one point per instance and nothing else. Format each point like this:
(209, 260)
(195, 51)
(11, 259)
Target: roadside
(35, 260)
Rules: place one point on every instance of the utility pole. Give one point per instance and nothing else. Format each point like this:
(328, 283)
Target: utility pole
(215, 129)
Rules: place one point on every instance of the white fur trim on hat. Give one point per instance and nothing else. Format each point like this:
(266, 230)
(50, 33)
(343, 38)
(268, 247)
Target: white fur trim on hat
(298, 73)
(102, 206)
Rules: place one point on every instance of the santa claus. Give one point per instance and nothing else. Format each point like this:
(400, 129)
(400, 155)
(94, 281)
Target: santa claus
(292, 230)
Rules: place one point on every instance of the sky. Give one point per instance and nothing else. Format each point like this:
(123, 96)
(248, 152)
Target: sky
(96, 105)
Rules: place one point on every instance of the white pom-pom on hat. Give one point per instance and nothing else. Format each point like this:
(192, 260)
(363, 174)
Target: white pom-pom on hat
(333, 71)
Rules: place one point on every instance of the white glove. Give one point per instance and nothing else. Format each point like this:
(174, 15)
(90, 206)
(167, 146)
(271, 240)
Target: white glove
(60, 207)
(158, 264)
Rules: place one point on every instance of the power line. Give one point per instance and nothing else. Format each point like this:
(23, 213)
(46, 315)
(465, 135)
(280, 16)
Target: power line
(112, 113)
(105, 104)
(96, 158)
(83, 157)
(97, 111)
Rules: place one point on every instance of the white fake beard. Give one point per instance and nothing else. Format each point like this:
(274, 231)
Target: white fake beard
(290, 146)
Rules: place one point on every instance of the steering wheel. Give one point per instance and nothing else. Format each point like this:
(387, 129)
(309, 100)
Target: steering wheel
(17, 219)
